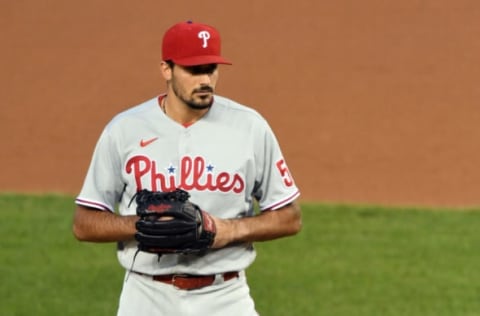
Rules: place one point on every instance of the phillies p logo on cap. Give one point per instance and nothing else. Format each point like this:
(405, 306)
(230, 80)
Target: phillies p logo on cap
(192, 44)
(205, 36)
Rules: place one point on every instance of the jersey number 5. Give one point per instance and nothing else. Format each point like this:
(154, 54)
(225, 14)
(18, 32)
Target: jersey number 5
(285, 173)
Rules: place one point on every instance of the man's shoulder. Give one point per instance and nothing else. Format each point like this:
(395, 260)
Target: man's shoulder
(138, 111)
(227, 104)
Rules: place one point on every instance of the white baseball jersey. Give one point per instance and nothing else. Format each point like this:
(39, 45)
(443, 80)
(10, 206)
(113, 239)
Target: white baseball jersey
(225, 160)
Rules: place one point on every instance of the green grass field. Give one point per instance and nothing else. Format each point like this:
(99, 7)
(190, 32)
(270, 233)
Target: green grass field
(348, 260)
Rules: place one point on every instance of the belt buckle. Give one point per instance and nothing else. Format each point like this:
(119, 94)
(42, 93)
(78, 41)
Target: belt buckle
(175, 276)
(174, 279)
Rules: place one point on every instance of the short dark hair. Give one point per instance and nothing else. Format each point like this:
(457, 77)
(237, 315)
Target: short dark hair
(170, 63)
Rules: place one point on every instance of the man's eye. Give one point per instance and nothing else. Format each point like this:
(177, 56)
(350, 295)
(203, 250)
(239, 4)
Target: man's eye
(201, 70)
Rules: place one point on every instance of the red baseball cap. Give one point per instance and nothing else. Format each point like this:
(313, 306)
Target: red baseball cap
(192, 44)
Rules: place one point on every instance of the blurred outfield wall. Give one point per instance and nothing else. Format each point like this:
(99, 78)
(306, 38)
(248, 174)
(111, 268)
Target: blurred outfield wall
(373, 101)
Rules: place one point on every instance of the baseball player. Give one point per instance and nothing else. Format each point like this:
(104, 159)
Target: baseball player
(222, 153)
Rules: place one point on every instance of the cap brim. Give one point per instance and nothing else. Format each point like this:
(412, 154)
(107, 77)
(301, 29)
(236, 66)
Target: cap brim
(201, 60)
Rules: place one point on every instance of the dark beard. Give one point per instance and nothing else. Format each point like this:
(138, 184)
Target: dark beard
(190, 103)
(196, 106)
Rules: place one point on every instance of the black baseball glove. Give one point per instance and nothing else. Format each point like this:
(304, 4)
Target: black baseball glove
(170, 223)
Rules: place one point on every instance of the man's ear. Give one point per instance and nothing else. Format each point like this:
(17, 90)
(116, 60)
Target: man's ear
(166, 70)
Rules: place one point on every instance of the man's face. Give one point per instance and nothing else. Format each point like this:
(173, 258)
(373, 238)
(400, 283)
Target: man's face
(194, 85)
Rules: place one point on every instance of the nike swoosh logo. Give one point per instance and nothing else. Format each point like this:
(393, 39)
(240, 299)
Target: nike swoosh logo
(147, 142)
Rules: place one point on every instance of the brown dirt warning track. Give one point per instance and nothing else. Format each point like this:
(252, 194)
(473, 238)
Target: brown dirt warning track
(373, 101)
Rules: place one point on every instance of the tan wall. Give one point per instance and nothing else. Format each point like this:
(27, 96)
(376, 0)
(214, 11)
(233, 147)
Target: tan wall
(373, 101)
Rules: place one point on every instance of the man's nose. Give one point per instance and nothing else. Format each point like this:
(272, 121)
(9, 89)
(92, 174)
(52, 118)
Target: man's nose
(205, 79)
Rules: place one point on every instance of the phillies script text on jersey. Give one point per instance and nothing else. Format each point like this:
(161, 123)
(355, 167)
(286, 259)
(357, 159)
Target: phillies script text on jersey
(194, 173)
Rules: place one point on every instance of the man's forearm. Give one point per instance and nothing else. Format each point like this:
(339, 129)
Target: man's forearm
(102, 226)
(266, 226)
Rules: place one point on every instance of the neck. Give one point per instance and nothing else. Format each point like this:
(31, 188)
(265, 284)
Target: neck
(181, 112)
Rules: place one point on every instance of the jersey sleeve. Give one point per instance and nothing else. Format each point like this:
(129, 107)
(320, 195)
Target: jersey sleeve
(275, 186)
(102, 186)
